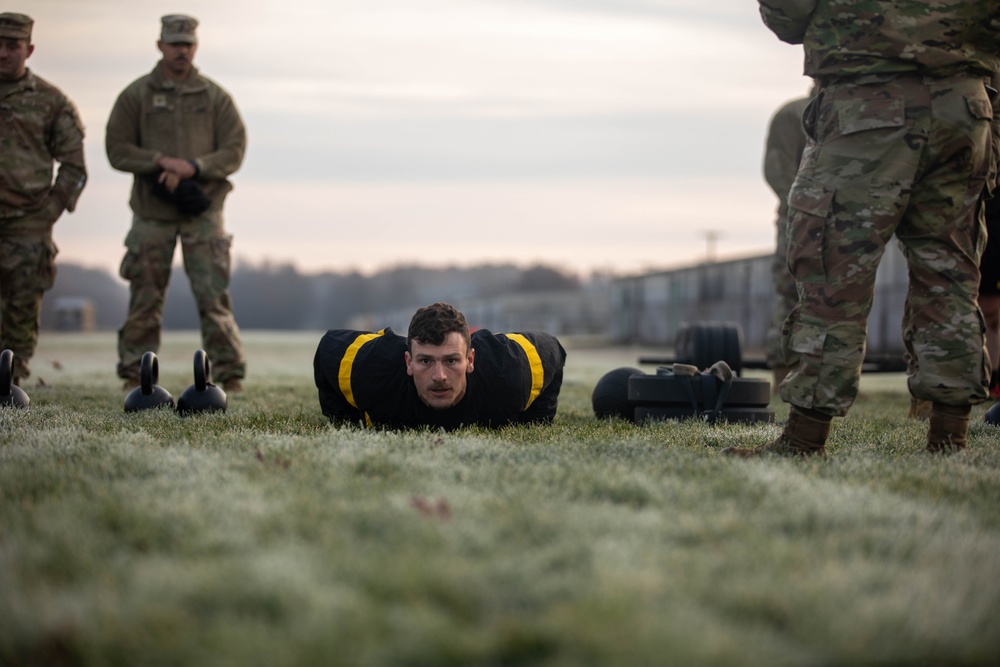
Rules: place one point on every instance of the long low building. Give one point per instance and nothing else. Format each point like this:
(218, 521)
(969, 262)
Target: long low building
(649, 309)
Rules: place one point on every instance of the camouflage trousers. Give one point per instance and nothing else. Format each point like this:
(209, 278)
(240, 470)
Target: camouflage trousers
(909, 157)
(27, 271)
(786, 297)
(146, 266)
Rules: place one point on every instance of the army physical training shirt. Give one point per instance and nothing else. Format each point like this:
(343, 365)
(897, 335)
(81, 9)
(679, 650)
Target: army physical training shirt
(361, 377)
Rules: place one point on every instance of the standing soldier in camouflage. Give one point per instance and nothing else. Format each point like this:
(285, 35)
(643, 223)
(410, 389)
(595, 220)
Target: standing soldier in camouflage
(38, 126)
(786, 140)
(181, 136)
(900, 145)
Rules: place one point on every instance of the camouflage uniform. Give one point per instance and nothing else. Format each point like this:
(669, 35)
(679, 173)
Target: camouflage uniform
(38, 126)
(196, 120)
(900, 146)
(783, 150)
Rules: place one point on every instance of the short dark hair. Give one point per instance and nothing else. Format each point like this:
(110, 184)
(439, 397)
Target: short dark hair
(432, 324)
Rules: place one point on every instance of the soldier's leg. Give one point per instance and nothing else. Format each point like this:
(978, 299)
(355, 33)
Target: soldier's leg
(206, 249)
(27, 270)
(944, 236)
(849, 195)
(149, 251)
(943, 326)
(847, 199)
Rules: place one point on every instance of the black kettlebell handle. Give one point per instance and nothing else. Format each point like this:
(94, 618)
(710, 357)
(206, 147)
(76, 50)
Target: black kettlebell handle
(149, 373)
(202, 371)
(6, 373)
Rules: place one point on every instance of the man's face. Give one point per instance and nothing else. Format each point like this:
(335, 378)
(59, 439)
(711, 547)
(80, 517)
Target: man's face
(440, 371)
(178, 57)
(13, 53)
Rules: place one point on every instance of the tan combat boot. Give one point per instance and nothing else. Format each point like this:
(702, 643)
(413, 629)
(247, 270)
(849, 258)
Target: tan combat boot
(948, 427)
(805, 434)
(232, 385)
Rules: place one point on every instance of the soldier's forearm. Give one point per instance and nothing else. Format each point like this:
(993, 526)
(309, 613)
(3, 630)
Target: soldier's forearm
(132, 159)
(69, 184)
(230, 142)
(219, 164)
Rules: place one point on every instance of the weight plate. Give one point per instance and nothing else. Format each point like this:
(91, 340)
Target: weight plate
(732, 344)
(702, 344)
(698, 347)
(713, 345)
(610, 396)
(682, 344)
(657, 389)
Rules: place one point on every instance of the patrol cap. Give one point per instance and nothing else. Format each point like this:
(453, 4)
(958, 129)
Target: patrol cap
(16, 26)
(179, 28)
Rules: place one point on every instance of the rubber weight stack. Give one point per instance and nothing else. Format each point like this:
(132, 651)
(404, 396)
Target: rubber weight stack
(702, 344)
(669, 396)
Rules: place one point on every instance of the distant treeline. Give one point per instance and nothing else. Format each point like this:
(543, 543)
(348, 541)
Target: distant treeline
(278, 296)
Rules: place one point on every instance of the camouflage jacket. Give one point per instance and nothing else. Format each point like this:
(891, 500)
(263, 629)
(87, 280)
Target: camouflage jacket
(38, 126)
(194, 120)
(850, 38)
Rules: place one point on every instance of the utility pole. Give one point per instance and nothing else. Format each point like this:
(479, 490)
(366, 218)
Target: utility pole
(711, 238)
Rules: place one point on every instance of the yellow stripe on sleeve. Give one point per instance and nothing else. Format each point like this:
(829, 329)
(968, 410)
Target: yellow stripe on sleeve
(535, 361)
(347, 363)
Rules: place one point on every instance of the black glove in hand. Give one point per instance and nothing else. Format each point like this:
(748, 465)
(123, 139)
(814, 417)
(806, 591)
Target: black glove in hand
(187, 196)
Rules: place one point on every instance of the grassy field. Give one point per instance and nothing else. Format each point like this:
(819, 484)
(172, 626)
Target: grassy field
(264, 536)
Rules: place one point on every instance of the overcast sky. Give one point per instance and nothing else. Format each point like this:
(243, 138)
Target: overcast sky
(587, 134)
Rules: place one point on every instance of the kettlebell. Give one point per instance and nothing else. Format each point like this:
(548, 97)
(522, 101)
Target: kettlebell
(992, 415)
(10, 393)
(148, 394)
(202, 396)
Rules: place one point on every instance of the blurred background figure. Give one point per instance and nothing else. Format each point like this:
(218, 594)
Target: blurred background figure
(180, 135)
(783, 151)
(39, 126)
